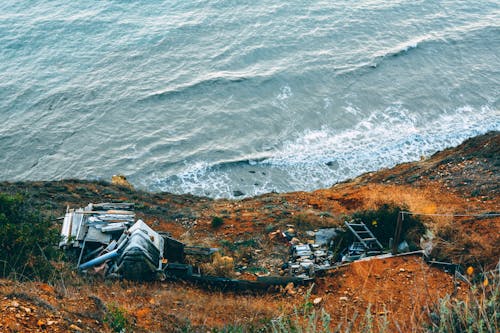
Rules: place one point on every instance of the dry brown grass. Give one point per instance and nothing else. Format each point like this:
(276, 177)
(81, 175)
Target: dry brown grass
(220, 266)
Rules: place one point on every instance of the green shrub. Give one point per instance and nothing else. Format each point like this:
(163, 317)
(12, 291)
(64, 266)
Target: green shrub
(27, 241)
(217, 222)
(117, 319)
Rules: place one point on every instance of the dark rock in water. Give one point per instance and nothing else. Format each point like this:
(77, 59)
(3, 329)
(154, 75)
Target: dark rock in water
(334, 164)
(252, 171)
(238, 193)
(325, 236)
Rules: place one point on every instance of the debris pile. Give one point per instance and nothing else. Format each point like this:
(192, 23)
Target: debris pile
(108, 241)
(112, 243)
(317, 254)
(307, 259)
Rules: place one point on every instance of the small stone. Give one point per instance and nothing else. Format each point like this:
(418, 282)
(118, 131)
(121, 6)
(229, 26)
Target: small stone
(238, 193)
(317, 300)
(402, 270)
(343, 299)
(121, 180)
(14, 304)
(289, 289)
(73, 327)
(40, 323)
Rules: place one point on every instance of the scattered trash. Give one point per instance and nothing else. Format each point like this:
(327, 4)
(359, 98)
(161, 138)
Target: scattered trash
(324, 237)
(308, 259)
(403, 246)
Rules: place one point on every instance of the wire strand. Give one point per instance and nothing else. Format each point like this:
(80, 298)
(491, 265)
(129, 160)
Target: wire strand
(454, 215)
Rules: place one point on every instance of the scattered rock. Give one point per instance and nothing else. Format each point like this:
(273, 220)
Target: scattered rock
(238, 193)
(121, 180)
(289, 289)
(73, 327)
(275, 235)
(343, 298)
(317, 300)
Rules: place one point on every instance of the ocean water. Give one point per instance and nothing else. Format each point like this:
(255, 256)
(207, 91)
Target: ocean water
(239, 98)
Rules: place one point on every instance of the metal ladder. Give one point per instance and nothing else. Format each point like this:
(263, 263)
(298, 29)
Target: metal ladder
(364, 235)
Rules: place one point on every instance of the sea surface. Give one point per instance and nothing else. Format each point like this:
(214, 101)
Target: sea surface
(239, 98)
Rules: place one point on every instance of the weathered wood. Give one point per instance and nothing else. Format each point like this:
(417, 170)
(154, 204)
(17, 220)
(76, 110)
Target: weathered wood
(397, 233)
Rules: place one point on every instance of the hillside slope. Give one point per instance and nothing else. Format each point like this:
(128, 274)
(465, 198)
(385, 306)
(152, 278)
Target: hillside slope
(458, 181)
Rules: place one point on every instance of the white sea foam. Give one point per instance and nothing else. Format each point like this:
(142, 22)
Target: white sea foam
(321, 157)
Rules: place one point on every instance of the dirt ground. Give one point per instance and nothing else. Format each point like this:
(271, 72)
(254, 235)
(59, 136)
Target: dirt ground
(403, 288)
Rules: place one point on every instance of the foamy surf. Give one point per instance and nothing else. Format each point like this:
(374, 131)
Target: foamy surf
(320, 158)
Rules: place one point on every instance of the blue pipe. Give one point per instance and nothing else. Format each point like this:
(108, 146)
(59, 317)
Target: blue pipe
(99, 260)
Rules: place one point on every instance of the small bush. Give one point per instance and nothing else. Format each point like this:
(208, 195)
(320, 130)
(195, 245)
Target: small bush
(217, 222)
(117, 319)
(220, 266)
(27, 241)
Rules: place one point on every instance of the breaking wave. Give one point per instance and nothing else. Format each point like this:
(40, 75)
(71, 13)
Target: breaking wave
(320, 158)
